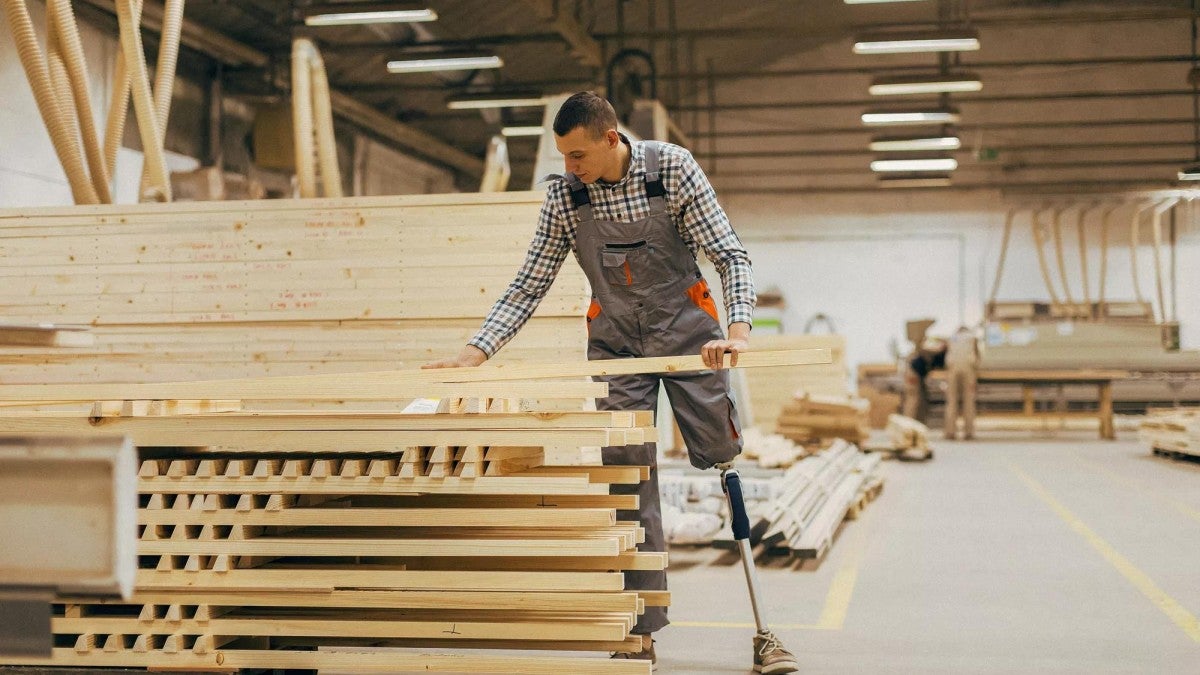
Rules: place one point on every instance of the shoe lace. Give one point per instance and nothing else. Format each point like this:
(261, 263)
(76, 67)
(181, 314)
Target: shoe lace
(769, 643)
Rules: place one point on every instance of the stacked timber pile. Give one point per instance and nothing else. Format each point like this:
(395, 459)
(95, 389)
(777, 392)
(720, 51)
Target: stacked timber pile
(908, 438)
(771, 451)
(812, 418)
(822, 491)
(770, 389)
(264, 535)
(1174, 432)
(793, 512)
(269, 536)
(203, 290)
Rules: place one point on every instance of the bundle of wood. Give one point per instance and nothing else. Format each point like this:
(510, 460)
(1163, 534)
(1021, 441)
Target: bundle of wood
(770, 389)
(909, 437)
(201, 290)
(818, 493)
(1172, 432)
(811, 418)
(771, 450)
(264, 535)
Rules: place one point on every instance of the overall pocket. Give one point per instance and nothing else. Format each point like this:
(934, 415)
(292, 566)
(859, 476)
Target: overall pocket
(622, 263)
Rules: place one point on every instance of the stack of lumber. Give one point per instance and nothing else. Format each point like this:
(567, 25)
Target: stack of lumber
(771, 450)
(265, 534)
(908, 437)
(809, 418)
(770, 389)
(1173, 432)
(822, 491)
(267, 537)
(188, 291)
(795, 511)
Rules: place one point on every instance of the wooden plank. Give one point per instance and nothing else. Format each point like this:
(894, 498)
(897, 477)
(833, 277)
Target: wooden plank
(394, 628)
(441, 599)
(372, 577)
(228, 660)
(489, 485)
(279, 546)
(345, 387)
(396, 517)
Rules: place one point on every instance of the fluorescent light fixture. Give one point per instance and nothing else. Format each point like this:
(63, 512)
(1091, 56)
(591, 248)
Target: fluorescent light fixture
(1189, 172)
(909, 181)
(875, 2)
(920, 41)
(926, 164)
(906, 143)
(357, 18)
(925, 84)
(480, 101)
(523, 131)
(902, 117)
(440, 64)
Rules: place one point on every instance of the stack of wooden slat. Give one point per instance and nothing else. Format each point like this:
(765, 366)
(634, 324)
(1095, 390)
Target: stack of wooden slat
(1172, 432)
(266, 534)
(770, 389)
(811, 418)
(241, 289)
(819, 492)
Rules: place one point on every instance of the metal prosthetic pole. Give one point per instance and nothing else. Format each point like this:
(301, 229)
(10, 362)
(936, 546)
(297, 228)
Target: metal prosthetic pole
(731, 484)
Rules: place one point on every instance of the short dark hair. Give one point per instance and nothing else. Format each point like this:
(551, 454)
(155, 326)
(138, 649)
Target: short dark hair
(588, 110)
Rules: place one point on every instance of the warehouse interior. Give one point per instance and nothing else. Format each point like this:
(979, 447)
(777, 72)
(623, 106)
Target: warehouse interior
(233, 233)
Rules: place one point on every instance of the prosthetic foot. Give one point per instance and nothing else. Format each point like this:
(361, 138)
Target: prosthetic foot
(770, 657)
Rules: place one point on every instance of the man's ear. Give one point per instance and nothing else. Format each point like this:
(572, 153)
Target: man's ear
(612, 137)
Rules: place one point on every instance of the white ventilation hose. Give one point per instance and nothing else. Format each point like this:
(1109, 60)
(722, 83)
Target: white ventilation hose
(62, 19)
(1134, 241)
(1038, 242)
(38, 74)
(312, 111)
(118, 108)
(143, 104)
(1104, 220)
(1004, 243)
(1156, 233)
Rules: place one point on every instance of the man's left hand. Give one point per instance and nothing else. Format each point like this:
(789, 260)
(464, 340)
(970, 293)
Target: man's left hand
(713, 353)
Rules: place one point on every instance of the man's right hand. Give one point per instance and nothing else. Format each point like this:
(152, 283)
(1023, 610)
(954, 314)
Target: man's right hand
(469, 357)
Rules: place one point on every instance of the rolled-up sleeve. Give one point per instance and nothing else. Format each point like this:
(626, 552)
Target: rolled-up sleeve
(705, 223)
(547, 251)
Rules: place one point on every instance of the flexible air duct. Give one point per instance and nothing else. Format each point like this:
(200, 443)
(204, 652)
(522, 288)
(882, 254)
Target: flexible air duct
(164, 71)
(143, 104)
(311, 108)
(62, 19)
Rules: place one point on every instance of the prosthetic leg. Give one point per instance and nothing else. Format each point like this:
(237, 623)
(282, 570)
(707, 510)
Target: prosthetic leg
(770, 657)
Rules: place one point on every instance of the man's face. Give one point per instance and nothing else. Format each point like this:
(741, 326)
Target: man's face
(587, 157)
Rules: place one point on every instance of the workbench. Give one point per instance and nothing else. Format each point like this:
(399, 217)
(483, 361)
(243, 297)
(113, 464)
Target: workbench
(1030, 380)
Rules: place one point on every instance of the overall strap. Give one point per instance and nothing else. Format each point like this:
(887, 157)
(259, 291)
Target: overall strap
(579, 197)
(654, 185)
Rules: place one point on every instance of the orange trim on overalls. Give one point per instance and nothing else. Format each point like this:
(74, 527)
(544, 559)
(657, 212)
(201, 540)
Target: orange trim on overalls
(702, 298)
(593, 312)
(628, 274)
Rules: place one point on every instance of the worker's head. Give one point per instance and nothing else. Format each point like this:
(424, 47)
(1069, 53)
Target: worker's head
(585, 131)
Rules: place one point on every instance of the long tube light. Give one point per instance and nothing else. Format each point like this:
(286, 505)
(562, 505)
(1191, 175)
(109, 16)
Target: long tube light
(899, 144)
(440, 64)
(902, 117)
(875, 2)
(358, 18)
(927, 164)
(480, 101)
(522, 131)
(921, 41)
(925, 84)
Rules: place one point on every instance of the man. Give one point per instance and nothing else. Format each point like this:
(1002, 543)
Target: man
(635, 215)
(962, 361)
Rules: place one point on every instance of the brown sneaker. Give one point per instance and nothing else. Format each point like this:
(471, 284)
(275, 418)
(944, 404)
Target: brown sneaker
(770, 657)
(647, 654)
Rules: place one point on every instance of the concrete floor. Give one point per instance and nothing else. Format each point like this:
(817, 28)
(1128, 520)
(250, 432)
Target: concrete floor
(1012, 554)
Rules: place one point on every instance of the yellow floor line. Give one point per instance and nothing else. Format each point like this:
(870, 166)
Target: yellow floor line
(1175, 611)
(1177, 505)
(837, 599)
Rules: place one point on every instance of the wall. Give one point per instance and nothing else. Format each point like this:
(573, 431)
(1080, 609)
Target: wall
(872, 261)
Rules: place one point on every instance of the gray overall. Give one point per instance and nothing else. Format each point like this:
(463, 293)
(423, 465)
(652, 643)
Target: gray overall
(649, 299)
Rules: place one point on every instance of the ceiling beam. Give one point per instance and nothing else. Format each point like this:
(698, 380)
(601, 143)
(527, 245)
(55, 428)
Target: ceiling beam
(582, 46)
(233, 52)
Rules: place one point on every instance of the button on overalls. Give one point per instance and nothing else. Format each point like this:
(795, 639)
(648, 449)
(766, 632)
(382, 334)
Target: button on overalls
(649, 299)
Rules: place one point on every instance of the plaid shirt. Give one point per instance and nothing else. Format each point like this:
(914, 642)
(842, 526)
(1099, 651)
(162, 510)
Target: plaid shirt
(693, 206)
